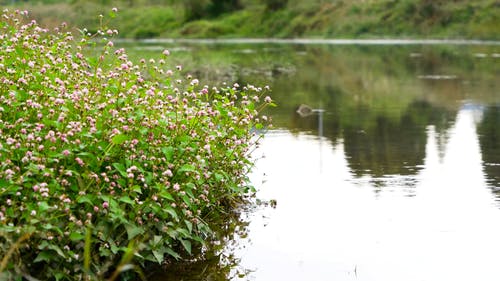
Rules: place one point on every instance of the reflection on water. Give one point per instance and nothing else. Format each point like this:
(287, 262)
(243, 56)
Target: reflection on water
(329, 225)
(489, 138)
(396, 182)
(396, 176)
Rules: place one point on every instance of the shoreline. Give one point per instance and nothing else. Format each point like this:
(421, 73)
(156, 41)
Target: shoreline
(313, 41)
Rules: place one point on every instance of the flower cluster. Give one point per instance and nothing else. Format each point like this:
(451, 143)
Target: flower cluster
(98, 153)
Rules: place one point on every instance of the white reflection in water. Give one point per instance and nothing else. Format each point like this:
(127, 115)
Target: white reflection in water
(329, 225)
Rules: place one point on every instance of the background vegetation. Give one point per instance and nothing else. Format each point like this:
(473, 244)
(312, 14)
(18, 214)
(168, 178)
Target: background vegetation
(279, 18)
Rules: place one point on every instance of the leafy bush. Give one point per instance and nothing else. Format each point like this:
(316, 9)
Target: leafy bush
(105, 163)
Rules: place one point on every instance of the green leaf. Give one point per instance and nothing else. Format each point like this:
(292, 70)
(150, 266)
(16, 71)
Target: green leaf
(143, 131)
(58, 250)
(172, 253)
(43, 206)
(45, 256)
(166, 195)
(150, 257)
(183, 233)
(75, 236)
(186, 200)
(89, 155)
(47, 226)
(157, 239)
(190, 193)
(119, 139)
(169, 153)
(218, 177)
(137, 189)
(93, 61)
(172, 233)
(114, 248)
(85, 199)
(127, 200)
(121, 169)
(133, 230)
(187, 168)
(172, 212)
(113, 89)
(59, 276)
(189, 225)
(149, 176)
(4, 183)
(158, 256)
(187, 245)
(113, 205)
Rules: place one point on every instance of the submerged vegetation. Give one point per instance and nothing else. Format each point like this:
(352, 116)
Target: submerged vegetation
(106, 165)
(282, 18)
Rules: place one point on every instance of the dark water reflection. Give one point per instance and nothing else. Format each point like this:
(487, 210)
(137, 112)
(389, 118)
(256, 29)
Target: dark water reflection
(380, 101)
(398, 178)
(489, 140)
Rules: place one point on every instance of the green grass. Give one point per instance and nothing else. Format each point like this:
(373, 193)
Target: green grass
(325, 19)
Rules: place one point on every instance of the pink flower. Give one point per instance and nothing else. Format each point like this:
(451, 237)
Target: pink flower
(105, 204)
(166, 52)
(168, 173)
(207, 148)
(79, 161)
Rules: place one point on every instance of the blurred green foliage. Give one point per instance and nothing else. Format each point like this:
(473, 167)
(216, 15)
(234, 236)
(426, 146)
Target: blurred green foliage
(280, 18)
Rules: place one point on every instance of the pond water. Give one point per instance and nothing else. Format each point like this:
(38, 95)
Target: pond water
(395, 176)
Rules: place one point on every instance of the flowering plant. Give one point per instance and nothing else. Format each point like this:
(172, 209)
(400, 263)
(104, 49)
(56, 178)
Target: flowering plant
(104, 162)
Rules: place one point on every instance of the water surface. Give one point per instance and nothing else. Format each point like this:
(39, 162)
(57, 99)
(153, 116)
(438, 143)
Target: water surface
(397, 177)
